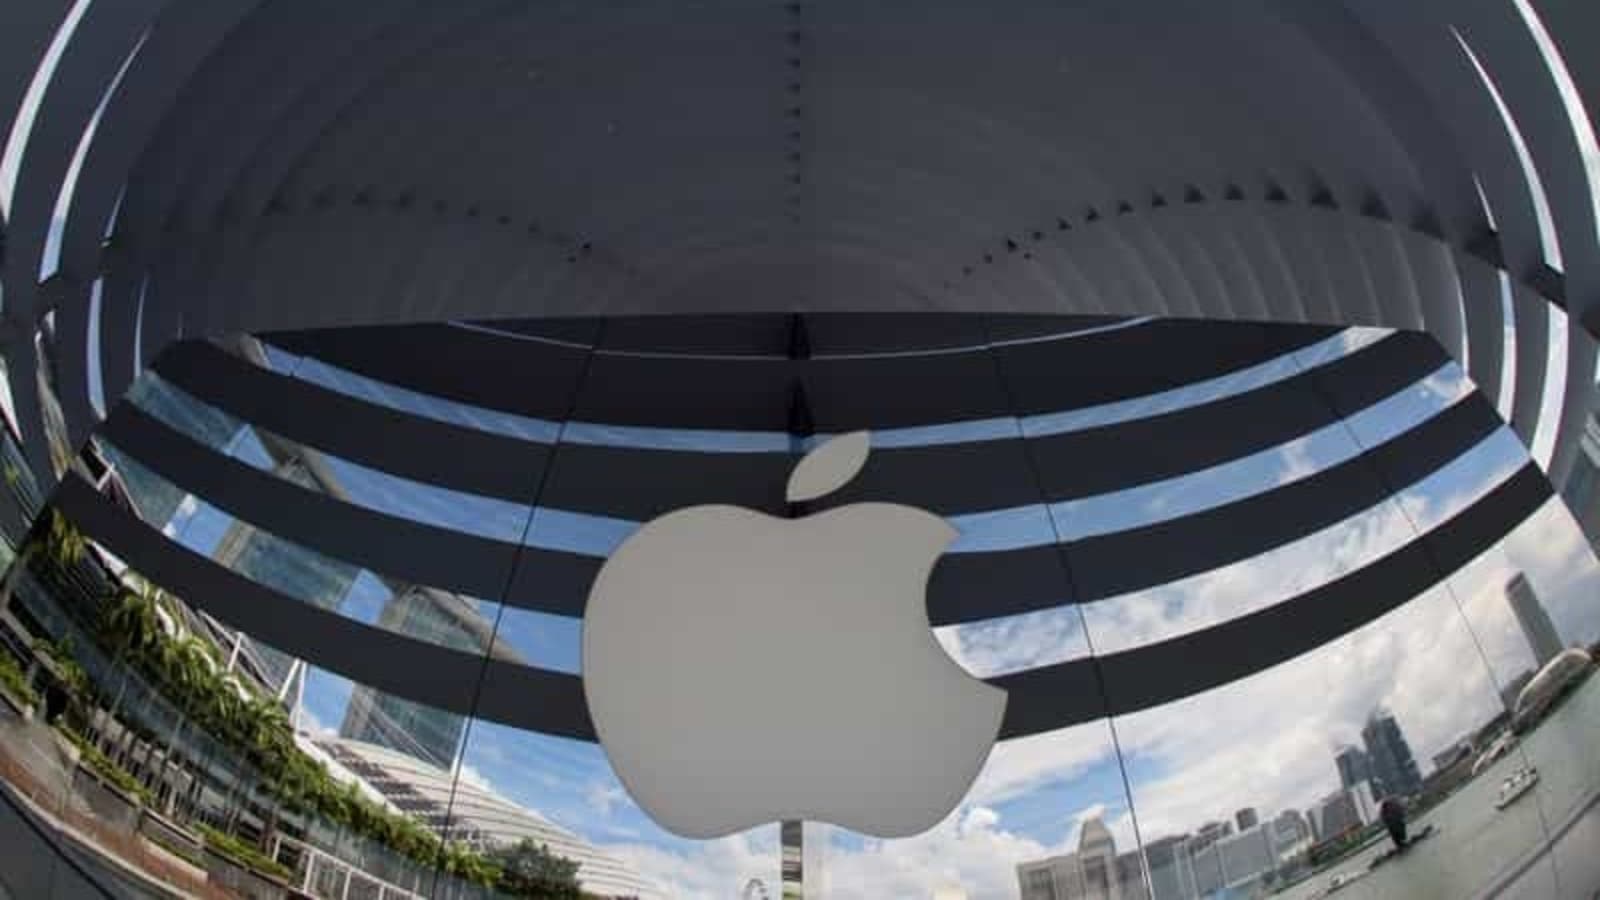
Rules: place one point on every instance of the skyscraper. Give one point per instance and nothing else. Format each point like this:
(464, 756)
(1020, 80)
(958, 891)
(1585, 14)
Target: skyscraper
(1171, 871)
(1393, 765)
(424, 732)
(1582, 490)
(1093, 872)
(1354, 767)
(1537, 628)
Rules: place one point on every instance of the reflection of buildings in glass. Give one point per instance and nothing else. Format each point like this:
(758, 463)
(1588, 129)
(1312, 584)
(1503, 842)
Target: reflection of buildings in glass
(1537, 628)
(476, 814)
(1245, 818)
(1171, 870)
(1290, 833)
(803, 858)
(427, 733)
(1207, 834)
(1388, 752)
(1513, 687)
(288, 568)
(1246, 856)
(1208, 876)
(157, 499)
(1093, 872)
(1582, 489)
(436, 616)
(1354, 767)
(1345, 808)
(791, 857)
(815, 858)
(1451, 768)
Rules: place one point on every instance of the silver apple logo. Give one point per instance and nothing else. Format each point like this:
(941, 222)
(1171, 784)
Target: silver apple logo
(742, 669)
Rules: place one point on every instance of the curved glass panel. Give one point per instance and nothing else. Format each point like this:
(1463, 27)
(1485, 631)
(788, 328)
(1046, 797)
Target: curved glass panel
(201, 753)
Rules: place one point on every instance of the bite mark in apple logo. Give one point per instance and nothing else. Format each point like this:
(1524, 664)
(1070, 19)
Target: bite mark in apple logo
(742, 669)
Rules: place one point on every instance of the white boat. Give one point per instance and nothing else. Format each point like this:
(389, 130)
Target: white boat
(1515, 785)
(1342, 881)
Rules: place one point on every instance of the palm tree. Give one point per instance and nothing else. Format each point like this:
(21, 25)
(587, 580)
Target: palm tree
(59, 542)
(132, 627)
(182, 666)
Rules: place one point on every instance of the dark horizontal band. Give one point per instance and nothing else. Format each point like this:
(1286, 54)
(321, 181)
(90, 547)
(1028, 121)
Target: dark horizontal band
(1040, 700)
(1112, 457)
(964, 587)
(451, 456)
(639, 483)
(652, 361)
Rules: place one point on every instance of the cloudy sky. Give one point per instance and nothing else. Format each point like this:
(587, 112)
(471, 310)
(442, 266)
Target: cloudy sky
(1266, 741)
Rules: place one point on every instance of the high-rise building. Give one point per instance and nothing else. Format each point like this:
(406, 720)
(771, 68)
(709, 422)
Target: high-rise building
(288, 568)
(1246, 855)
(1246, 818)
(1393, 765)
(1354, 767)
(425, 732)
(1093, 872)
(1582, 489)
(1290, 833)
(1537, 629)
(803, 851)
(1097, 855)
(1208, 875)
(1208, 833)
(157, 499)
(1171, 871)
(1342, 810)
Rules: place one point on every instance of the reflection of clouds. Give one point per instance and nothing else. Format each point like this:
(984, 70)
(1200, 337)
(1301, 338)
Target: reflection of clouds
(1218, 595)
(1027, 641)
(470, 775)
(1015, 643)
(972, 848)
(1023, 765)
(604, 796)
(1268, 741)
(705, 870)
(977, 846)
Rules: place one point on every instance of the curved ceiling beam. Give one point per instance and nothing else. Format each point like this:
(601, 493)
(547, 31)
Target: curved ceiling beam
(1388, 120)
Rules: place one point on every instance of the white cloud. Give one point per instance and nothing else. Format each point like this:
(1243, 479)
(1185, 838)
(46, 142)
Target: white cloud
(603, 797)
(1266, 741)
(707, 870)
(1297, 462)
(1023, 765)
(308, 723)
(468, 774)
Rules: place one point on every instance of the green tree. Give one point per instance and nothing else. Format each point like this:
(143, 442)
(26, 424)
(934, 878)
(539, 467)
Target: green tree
(531, 870)
(131, 628)
(56, 541)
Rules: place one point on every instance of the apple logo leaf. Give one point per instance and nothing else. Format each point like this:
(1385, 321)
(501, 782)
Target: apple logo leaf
(828, 467)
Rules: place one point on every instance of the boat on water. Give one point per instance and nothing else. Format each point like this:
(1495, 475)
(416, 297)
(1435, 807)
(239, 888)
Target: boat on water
(1515, 785)
(1343, 880)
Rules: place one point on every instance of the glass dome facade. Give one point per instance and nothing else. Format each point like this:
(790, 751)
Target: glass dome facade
(1252, 358)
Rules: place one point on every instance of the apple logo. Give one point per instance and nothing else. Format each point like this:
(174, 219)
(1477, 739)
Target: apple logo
(742, 669)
